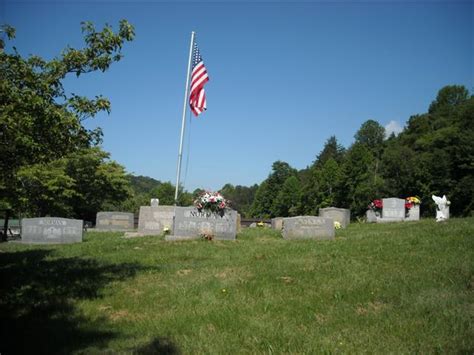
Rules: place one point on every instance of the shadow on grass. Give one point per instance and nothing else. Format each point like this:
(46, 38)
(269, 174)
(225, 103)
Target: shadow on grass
(37, 294)
(160, 346)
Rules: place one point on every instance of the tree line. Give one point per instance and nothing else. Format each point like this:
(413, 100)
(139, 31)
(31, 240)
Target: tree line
(434, 154)
(52, 165)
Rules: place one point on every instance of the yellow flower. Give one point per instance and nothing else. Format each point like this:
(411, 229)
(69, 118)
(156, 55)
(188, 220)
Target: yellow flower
(337, 225)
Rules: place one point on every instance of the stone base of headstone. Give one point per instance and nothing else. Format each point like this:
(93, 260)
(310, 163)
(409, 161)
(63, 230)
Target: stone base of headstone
(341, 215)
(95, 230)
(308, 227)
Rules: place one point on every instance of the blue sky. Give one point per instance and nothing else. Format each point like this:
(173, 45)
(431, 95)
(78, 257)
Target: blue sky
(285, 76)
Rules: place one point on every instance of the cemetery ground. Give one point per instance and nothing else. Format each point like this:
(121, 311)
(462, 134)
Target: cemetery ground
(377, 288)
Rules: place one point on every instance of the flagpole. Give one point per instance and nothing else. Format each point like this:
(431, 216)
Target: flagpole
(183, 122)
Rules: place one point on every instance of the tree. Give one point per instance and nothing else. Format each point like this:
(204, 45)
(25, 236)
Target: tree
(331, 150)
(287, 202)
(40, 124)
(77, 185)
(267, 192)
(329, 178)
(358, 186)
(98, 182)
(442, 143)
(165, 193)
(240, 197)
(372, 135)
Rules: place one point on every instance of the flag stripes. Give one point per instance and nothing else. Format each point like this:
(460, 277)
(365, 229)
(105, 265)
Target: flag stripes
(199, 77)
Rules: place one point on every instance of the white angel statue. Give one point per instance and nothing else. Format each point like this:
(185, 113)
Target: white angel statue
(442, 210)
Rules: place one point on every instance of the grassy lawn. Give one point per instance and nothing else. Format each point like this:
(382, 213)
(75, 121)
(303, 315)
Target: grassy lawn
(378, 288)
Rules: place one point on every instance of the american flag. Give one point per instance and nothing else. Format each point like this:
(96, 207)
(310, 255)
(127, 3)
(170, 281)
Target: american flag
(199, 77)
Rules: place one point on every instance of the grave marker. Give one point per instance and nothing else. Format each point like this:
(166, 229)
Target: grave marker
(191, 222)
(153, 220)
(114, 221)
(393, 210)
(341, 215)
(51, 230)
(308, 227)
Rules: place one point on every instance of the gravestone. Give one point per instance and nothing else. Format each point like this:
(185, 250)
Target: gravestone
(114, 221)
(239, 221)
(190, 222)
(154, 202)
(51, 230)
(308, 227)
(413, 213)
(341, 215)
(393, 210)
(370, 216)
(153, 220)
(277, 223)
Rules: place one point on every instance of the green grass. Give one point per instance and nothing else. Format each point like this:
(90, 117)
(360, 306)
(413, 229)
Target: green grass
(391, 288)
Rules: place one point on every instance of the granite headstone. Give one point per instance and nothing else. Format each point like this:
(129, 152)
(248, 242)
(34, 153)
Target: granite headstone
(308, 227)
(393, 210)
(153, 220)
(341, 215)
(277, 223)
(114, 221)
(371, 216)
(189, 221)
(51, 230)
(413, 213)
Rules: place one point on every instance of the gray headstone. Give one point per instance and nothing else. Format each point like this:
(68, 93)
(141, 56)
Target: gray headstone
(341, 215)
(51, 230)
(153, 220)
(413, 213)
(190, 222)
(114, 221)
(277, 223)
(371, 217)
(154, 202)
(393, 209)
(308, 227)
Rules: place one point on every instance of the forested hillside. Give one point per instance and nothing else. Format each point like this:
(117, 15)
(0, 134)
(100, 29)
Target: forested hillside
(434, 154)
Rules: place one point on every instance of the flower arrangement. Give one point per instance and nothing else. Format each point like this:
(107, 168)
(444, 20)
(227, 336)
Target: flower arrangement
(411, 201)
(376, 206)
(211, 201)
